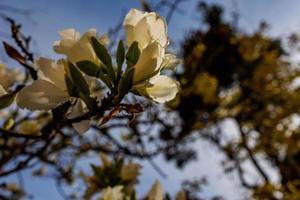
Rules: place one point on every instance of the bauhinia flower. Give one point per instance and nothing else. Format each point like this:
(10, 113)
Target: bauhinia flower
(149, 30)
(49, 91)
(76, 47)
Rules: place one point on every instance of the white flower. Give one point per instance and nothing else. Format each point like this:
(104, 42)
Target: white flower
(78, 48)
(148, 81)
(150, 31)
(114, 193)
(49, 91)
(145, 28)
(156, 192)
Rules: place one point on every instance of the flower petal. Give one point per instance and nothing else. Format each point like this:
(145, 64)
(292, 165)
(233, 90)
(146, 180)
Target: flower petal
(149, 63)
(158, 28)
(133, 17)
(76, 48)
(41, 95)
(139, 33)
(170, 62)
(70, 33)
(2, 91)
(156, 192)
(163, 89)
(113, 193)
(52, 72)
(145, 28)
(6, 77)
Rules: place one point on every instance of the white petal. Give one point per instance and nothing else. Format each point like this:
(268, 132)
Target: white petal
(76, 49)
(41, 95)
(104, 39)
(163, 89)
(76, 111)
(2, 91)
(149, 63)
(114, 193)
(156, 192)
(170, 62)
(133, 17)
(52, 72)
(158, 28)
(145, 28)
(139, 33)
(6, 77)
(71, 34)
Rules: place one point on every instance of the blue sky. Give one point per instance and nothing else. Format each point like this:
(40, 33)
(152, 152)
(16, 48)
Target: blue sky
(50, 16)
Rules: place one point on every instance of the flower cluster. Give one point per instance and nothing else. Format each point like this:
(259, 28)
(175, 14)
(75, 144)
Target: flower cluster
(116, 180)
(87, 62)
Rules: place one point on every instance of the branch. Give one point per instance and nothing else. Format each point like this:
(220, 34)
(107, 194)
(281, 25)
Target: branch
(6, 133)
(251, 155)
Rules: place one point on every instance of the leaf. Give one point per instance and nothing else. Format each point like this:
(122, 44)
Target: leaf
(133, 54)
(104, 56)
(72, 90)
(106, 80)
(89, 68)
(94, 70)
(120, 57)
(6, 100)
(77, 79)
(89, 101)
(125, 82)
(13, 53)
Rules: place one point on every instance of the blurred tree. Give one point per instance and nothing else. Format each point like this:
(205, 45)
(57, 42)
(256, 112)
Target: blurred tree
(247, 78)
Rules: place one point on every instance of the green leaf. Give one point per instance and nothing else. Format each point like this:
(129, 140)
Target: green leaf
(6, 100)
(106, 80)
(120, 57)
(104, 57)
(72, 90)
(77, 79)
(125, 82)
(89, 68)
(89, 101)
(133, 54)
(94, 70)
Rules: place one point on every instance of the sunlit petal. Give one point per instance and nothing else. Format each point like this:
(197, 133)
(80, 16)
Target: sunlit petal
(2, 91)
(170, 62)
(41, 95)
(52, 72)
(149, 63)
(161, 90)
